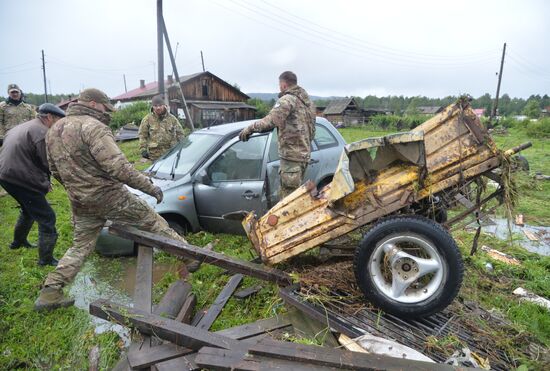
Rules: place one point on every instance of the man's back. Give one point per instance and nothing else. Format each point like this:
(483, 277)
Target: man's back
(71, 144)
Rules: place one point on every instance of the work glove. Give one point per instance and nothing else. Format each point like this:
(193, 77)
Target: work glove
(245, 134)
(144, 154)
(157, 193)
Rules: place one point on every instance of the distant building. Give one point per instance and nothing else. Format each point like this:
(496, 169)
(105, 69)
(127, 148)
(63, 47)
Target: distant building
(345, 111)
(479, 112)
(429, 110)
(210, 100)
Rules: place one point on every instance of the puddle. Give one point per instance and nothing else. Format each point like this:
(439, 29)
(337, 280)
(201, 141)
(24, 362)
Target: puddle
(112, 279)
(500, 230)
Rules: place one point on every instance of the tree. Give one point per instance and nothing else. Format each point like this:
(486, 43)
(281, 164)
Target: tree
(412, 108)
(532, 109)
(262, 107)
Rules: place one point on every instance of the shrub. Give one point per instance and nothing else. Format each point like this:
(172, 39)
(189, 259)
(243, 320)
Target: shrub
(132, 114)
(538, 129)
(399, 123)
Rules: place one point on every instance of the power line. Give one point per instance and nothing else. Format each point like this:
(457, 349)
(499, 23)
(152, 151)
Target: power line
(308, 35)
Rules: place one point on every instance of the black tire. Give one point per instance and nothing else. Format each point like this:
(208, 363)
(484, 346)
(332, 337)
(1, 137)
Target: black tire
(423, 296)
(180, 229)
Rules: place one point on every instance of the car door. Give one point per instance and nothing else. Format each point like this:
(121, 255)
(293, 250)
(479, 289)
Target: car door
(273, 166)
(232, 181)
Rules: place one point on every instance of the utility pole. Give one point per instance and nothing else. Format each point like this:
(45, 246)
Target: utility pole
(202, 60)
(160, 48)
(495, 105)
(176, 75)
(44, 74)
(125, 88)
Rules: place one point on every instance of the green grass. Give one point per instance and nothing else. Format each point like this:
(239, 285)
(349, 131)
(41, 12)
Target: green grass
(64, 338)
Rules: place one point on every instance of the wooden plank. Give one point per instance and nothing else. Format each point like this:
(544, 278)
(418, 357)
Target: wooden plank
(180, 248)
(164, 328)
(249, 291)
(215, 309)
(323, 356)
(142, 300)
(187, 309)
(144, 279)
(173, 300)
(223, 359)
(148, 357)
(255, 328)
(185, 363)
(249, 331)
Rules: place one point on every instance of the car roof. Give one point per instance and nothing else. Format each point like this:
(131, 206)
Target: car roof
(227, 129)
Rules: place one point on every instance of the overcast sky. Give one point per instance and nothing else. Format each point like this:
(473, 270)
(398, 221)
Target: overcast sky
(432, 48)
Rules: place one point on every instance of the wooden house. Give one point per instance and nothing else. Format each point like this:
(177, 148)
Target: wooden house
(346, 112)
(210, 100)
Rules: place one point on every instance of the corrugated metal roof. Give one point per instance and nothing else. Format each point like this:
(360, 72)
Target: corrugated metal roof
(151, 88)
(430, 110)
(337, 106)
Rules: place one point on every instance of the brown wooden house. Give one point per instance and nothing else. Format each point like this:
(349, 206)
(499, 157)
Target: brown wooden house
(346, 112)
(210, 100)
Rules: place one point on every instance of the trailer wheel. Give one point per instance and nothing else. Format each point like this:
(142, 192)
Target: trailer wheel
(409, 266)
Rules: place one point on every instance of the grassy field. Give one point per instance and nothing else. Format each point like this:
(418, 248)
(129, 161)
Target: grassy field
(64, 338)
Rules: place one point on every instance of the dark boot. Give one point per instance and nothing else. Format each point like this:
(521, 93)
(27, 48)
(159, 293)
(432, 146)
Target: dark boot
(21, 231)
(46, 244)
(51, 298)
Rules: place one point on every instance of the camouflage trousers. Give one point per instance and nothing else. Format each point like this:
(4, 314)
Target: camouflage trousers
(128, 210)
(291, 175)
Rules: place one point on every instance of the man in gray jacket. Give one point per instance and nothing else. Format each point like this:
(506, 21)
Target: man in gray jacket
(25, 175)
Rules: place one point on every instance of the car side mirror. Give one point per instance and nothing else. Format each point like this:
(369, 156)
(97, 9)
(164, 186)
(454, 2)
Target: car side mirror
(203, 178)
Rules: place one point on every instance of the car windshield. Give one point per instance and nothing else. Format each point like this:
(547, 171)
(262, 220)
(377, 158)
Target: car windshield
(183, 156)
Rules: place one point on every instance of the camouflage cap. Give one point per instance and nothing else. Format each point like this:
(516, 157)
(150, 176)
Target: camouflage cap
(12, 87)
(96, 95)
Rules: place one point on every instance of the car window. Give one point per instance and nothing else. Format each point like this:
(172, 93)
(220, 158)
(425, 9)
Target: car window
(274, 150)
(241, 161)
(324, 138)
(184, 155)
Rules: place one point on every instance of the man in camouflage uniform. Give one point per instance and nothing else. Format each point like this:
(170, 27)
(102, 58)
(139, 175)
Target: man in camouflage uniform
(13, 111)
(294, 117)
(84, 157)
(159, 130)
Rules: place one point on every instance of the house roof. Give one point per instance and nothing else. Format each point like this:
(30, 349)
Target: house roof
(151, 89)
(479, 111)
(430, 110)
(337, 106)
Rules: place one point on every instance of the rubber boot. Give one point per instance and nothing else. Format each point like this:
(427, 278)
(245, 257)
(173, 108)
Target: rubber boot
(51, 298)
(46, 244)
(21, 231)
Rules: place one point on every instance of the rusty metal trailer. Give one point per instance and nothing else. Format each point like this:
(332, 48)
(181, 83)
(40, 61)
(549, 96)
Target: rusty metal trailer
(407, 263)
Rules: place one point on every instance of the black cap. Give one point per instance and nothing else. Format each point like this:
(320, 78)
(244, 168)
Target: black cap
(52, 109)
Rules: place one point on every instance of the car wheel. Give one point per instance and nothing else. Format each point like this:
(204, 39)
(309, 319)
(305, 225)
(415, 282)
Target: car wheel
(176, 226)
(409, 266)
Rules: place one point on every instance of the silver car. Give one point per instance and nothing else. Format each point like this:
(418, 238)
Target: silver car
(211, 173)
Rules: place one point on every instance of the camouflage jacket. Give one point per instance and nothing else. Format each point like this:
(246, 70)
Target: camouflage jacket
(12, 115)
(157, 134)
(84, 157)
(294, 117)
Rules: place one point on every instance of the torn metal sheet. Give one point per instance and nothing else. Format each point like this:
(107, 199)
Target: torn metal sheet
(364, 159)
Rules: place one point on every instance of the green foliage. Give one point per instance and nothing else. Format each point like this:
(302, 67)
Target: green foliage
(132, 114)
(539, 128)
(397, 123)
(532, 109)
(262, 107)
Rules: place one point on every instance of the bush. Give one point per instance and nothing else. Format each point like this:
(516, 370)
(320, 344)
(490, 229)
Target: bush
(132, 114)
(393, 122)
(538, 129)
